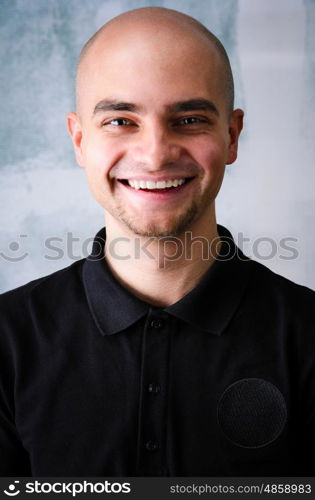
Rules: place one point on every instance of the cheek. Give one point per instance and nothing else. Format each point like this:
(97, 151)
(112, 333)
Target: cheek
(100, 157)
(211, 155)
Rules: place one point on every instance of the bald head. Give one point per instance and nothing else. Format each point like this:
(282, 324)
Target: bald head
(161, 24)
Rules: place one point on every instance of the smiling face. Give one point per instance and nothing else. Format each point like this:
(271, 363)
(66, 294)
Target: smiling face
(153, 129)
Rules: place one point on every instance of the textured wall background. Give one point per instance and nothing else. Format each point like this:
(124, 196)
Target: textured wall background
(267, 195)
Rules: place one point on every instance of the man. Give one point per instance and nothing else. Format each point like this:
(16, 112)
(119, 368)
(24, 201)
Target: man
(167, 351)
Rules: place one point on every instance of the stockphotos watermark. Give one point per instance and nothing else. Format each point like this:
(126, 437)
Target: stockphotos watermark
(71, 247)
(71, 488)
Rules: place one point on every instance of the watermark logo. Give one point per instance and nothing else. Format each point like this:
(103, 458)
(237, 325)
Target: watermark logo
(12, 490)
(71, 247)
(70, 488)
(14, 252)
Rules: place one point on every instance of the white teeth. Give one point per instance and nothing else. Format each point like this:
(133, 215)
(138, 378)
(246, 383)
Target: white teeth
(155, 185)
(161, 184)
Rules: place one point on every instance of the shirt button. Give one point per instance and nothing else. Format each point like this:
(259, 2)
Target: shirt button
(152, 446)
(154, 388)
(157, 323)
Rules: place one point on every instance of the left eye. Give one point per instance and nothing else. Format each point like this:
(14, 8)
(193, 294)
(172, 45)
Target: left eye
(190, 120)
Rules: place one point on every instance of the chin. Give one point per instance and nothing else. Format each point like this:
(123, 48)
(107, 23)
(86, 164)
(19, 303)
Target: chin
(162, 229)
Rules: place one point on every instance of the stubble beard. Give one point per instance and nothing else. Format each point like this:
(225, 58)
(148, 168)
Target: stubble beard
(176, 227)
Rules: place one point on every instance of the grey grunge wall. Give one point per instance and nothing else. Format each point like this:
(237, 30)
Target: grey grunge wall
(48, 216)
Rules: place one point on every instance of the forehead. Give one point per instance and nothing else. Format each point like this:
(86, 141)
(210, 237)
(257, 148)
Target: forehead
(157, 67)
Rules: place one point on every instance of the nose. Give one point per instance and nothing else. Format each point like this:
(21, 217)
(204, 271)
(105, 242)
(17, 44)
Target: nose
(155, 146)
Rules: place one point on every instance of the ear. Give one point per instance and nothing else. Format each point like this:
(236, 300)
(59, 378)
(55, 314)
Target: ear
(235, 128)
(75, 130)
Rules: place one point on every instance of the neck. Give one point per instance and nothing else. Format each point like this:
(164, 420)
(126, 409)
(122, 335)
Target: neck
(161, 271)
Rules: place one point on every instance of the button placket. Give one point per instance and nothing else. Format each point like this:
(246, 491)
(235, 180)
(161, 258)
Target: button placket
(154, 390)
(157, 323)
(152, 446)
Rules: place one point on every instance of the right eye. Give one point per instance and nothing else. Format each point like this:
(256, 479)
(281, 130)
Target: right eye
(119, 122)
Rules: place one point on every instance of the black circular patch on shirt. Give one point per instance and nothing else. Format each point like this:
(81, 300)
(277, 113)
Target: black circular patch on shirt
(252, 412)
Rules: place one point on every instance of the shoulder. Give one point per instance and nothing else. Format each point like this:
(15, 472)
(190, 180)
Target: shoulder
(41, 317)
(15, 304)
(262, 275)
(279, 294)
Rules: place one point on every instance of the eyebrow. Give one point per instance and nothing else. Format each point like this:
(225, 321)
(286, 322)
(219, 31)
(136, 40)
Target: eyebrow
(113, 105)
(193, 105)
(176, 107)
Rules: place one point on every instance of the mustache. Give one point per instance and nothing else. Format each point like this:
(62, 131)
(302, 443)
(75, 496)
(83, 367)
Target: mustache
(126, 169)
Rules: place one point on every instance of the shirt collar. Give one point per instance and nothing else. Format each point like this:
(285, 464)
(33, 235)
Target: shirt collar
(210, 306)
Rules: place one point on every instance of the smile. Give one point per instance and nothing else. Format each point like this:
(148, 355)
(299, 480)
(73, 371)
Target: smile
(155, 185)
(158, 185)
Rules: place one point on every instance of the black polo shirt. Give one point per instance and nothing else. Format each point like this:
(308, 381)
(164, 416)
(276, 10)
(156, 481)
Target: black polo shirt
(95, 382)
